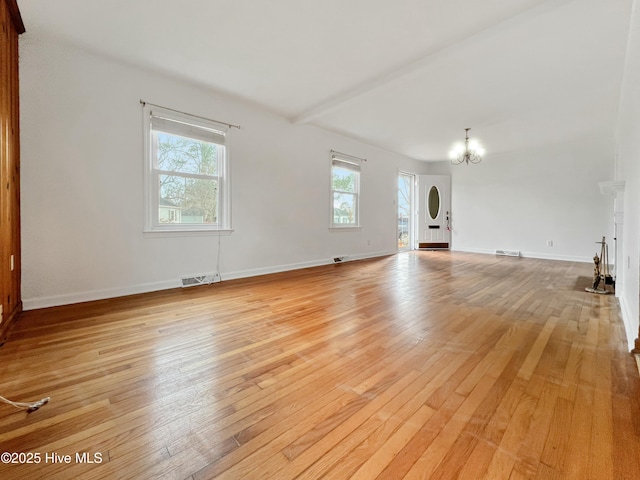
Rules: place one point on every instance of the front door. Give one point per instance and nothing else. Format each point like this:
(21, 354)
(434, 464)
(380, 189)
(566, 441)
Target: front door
(434, 211)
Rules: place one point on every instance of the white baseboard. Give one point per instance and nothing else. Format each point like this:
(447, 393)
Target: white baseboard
(473, 250)
(631, 332)
(365, 256)
(91, 295)
(298, 266)
(88, 296)
(542, 256)
(255, 272)
(551, 256)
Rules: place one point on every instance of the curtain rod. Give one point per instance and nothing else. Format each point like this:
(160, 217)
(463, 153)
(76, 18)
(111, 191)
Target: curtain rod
(230, 125)
(334, 152)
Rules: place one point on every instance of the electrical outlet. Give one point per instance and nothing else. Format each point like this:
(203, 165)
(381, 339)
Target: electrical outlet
(549, 243)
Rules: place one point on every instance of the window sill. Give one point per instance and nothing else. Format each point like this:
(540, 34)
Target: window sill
(350, 228)
(195, 232)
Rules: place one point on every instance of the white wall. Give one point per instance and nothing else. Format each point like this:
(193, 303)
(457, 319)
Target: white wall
(628, 170)
(520, 200)
(82, 169)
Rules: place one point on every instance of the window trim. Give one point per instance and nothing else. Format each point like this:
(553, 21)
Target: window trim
(351, 163)
(152, 226)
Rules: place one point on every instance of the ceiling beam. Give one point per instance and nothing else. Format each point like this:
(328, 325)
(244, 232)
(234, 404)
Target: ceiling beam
(337, 101)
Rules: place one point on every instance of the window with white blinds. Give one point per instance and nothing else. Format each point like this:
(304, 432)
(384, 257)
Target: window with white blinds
(187, 164)
(345, 191)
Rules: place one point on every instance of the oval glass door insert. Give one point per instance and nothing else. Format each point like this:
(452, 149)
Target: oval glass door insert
(434, 202)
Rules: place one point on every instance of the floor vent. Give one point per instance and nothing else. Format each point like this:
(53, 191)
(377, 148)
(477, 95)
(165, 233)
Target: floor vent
(339, 259)
(508, 253)
(200, 280)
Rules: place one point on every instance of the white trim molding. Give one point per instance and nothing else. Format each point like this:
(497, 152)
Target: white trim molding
(92, 295)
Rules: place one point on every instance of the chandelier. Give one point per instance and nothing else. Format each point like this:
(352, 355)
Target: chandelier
(469, 152)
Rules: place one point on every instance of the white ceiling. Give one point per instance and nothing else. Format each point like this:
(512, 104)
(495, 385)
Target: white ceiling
(405, 75)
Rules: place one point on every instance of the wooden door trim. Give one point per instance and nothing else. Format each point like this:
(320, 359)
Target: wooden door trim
(16, 18)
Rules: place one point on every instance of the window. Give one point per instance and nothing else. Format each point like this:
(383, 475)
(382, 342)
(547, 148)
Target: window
(345, 191)
(187, 181)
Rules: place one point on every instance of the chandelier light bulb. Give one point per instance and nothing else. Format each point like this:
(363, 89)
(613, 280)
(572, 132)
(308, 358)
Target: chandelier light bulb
(456, 151)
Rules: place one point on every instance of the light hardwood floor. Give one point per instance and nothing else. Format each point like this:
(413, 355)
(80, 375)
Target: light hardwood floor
(421, 365)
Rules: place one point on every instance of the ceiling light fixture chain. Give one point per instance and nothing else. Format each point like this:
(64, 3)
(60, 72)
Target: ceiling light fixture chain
(469, 152)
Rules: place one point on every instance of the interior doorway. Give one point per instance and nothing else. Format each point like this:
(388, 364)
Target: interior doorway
(406, 194)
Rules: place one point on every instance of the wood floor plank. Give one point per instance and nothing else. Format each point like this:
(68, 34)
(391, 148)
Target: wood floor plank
(418, 365)
(378, 460)
(450, 433)
(347, 456)
(601, 455)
